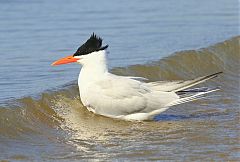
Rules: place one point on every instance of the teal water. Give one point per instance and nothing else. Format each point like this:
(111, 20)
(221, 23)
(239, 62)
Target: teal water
(42, 117)
(35, 33)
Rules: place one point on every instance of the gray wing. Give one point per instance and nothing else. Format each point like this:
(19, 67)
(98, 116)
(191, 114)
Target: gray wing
(175, 86)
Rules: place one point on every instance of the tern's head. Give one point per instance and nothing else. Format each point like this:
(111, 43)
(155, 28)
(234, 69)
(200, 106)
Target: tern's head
(87, 52)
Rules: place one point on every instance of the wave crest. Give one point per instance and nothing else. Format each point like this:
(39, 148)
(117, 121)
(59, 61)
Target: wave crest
(53, 108)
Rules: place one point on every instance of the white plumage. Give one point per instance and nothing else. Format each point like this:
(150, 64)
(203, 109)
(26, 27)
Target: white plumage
(128, 98)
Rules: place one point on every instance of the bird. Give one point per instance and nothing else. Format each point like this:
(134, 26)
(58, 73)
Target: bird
(127, 97)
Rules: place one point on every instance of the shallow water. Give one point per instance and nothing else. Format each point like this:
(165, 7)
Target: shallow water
(55, 126)
(35, 33)
(37, 124)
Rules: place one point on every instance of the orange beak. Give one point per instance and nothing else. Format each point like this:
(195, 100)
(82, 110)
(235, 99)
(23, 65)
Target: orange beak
(65, 60)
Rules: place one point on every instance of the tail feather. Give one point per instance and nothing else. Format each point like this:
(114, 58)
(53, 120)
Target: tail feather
(194, 90)
(180, 85)
(191, 98)
(180, 88)
(196, 81)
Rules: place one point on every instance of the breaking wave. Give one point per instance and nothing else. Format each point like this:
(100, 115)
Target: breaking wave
(49, 111)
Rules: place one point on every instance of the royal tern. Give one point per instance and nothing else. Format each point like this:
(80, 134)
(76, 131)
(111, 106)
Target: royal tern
(126, 97)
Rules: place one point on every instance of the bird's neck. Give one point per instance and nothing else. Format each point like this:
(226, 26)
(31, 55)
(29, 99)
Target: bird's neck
(94, 69)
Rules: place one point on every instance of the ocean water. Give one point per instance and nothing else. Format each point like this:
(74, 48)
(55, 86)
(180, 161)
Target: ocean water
(41, 116)
(35, 33)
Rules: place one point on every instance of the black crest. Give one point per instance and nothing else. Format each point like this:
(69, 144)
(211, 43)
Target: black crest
(94, 43)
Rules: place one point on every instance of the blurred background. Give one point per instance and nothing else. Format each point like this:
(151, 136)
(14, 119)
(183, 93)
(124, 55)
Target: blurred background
(41, 115)
(34, 33)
